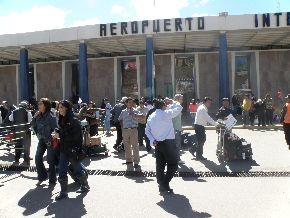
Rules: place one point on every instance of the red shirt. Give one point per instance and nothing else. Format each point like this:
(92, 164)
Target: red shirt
(192, 107)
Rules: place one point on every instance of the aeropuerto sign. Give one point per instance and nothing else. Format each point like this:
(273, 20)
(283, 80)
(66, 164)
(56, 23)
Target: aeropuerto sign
(189, 24)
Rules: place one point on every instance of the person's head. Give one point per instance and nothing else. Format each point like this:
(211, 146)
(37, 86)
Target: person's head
(179, 98)
(105, 100)
(91, 104)
(24, 104)
(167, 101)
(193, 101)
(268, 96)
(247, 96)
(226, 102)
(136, 102)
(259, 101)
(129, 102)
(65, 107)
(44, 105)
(124, 99)
(54, 104)
(142, 104)
(207, 101)
(5, 104)
(288, 98)
(160, 104)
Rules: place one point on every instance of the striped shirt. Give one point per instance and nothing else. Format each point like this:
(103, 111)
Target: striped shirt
(127, 118)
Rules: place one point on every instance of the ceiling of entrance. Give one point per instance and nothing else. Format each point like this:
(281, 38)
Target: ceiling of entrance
(163, 43)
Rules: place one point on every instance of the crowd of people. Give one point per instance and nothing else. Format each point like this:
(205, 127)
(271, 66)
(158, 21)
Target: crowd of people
(158, 123)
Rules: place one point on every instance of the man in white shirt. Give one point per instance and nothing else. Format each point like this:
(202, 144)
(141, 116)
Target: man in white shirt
(160, 131)
(201, 120)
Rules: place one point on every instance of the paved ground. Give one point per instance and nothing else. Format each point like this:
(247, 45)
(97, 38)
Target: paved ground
(121, 196)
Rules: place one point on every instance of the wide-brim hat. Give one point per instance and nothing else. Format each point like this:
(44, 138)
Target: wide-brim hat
(226, 99)
(124, 99)
(288, 96)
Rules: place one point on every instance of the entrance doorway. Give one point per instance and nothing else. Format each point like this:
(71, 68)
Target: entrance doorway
(185, 79)
(129, 78)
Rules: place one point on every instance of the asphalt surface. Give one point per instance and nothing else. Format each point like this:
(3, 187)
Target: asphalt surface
(248, 195)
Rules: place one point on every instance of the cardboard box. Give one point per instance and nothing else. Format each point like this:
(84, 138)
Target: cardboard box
(96, 140)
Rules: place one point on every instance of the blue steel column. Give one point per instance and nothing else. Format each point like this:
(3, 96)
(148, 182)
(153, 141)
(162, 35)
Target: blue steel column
(23, 74)
(149, 68)
(83, 73)
(224, 89)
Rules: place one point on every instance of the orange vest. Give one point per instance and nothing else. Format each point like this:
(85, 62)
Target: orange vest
(287, 115)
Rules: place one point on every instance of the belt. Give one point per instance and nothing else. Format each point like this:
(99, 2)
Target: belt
(131, 128)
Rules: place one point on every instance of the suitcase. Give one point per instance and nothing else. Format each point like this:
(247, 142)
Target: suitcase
(236, 148)
(188, 140)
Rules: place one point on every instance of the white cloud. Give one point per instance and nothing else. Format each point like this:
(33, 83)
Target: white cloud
(119, 10)
(152, 9)
(35, 19)
(199, 14)
(201, 3)
(90, 21)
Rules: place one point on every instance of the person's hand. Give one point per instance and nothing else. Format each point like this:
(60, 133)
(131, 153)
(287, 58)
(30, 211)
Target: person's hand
(55, 135)
(36, 114)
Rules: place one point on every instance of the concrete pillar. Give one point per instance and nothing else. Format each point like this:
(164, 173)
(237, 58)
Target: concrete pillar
(196, 63)
(233, 61)
(149, 67)
(172, 59)
(223, 67)
(138, 76)
(257, 58)
(83, 73)
(23, 75)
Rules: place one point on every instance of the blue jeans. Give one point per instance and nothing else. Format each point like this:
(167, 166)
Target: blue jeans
(63, 166)
(192, 115)
(107, 124)
(52, 160)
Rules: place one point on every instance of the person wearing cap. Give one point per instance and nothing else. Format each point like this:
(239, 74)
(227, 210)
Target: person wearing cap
(225, 109)
(202, 118)
(285, 119)
(259, 111)
(6, 110)
(160, 131)
(20, 116)
(116, 111)
(129, 122)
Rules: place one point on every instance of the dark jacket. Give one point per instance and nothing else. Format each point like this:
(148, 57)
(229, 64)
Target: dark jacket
(70, 134)
(259, 109)
(116, 111)
(43, 125)
(223, 112)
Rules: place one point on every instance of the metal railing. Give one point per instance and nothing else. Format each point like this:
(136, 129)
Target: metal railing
(12, 135)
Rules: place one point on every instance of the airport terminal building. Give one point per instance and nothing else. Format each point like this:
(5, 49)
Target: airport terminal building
(197, 56)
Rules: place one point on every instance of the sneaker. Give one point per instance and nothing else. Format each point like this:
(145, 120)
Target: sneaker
(163, 189)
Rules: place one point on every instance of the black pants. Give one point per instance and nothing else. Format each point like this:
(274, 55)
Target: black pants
(166, 154)
(119, 133)
(269, 117)
(142, 135)
(94, 130)
(261, 119)
(19, 146)
(286, 128)
(201, 138)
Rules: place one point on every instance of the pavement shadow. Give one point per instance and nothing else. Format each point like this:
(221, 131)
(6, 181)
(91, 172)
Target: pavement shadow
(35, 200)
(213, 166)
(179, 206)
(242, 165)
(70, 207)
(183, 168)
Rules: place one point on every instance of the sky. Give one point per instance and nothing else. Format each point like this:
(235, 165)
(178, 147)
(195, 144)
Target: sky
(18, 16)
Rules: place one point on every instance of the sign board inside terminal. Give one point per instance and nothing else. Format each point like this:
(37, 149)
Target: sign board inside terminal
(189, 24)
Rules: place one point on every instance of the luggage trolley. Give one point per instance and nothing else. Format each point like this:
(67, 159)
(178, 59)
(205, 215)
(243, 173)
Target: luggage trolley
(224, 128)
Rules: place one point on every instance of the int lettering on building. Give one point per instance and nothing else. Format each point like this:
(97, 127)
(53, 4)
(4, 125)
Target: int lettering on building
(213, 56)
